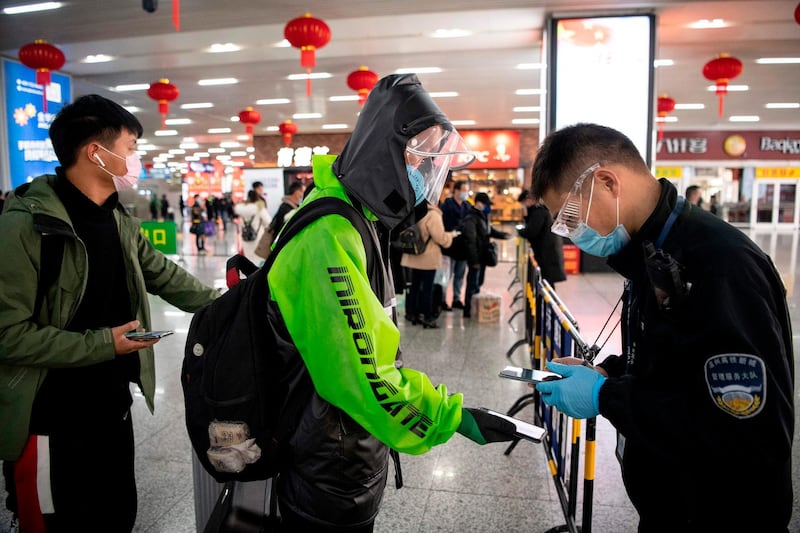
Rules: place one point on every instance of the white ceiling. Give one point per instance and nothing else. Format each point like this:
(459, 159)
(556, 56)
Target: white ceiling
(386, 35)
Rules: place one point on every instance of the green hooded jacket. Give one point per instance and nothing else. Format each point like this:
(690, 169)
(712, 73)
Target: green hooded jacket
(30, 345)
(347, 337)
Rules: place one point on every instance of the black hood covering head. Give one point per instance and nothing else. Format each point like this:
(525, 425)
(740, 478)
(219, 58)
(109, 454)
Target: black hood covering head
(372, 165)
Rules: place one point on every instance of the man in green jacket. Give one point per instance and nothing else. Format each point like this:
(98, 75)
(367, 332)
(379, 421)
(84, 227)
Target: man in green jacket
(66, 437)
(341, 318)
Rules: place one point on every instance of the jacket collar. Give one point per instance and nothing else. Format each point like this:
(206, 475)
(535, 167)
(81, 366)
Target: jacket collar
(629, 260)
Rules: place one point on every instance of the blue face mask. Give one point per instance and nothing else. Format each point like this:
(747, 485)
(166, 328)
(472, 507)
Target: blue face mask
(417, 183)
(591, 242)
(463, 196)
(487, 209)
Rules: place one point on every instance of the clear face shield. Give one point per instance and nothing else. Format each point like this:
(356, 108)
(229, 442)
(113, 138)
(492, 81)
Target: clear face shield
(431, 154)
(570, 216)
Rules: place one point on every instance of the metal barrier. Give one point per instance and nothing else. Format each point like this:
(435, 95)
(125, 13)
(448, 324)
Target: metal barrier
(551, 331)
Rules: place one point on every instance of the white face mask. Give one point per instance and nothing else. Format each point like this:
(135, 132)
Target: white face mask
(133, 165)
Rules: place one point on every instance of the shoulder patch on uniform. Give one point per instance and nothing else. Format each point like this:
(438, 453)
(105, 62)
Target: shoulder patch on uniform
(737, 383)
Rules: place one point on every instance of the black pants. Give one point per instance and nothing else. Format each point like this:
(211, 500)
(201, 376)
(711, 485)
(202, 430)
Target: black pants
(419, 300)
(91, 486)
(474, 281)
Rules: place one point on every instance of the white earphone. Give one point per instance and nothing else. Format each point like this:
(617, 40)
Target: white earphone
(99, 160)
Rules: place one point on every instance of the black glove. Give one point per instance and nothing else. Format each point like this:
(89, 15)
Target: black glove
(482, 427)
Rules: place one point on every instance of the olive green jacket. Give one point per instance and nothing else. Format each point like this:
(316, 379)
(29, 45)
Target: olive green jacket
(30, 345)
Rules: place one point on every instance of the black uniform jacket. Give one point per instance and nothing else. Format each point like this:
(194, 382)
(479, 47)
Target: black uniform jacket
(708, 434)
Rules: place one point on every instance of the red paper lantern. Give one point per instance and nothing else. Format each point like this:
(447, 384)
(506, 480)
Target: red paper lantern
(721, 70)
(249, 117)
(797, 13)
(307, 33)
(163, 92)
(287, 129)
(42, 57)
(666, 105)
(362, 81)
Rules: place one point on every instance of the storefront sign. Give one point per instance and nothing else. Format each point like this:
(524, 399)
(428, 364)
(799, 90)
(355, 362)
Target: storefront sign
(493, 148)
(30, 151)
(729, 145)
(669, 172)
(299, 157)
(778, 172)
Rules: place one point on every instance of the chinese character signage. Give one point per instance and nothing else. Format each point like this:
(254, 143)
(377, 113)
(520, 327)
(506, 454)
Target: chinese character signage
(29, 149)
(493, 148)
(162, 235)
(729, 145)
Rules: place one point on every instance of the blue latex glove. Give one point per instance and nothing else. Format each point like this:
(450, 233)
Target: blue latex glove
(576, 394)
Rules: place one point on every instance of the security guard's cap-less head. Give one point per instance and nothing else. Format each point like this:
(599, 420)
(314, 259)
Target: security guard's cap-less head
(399, 127)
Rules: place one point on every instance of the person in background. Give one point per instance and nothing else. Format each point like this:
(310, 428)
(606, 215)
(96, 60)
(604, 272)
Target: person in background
(2, 201)
(197, 215)
(155, 204)
(454, 209)
(223, 210)
(339, 317)
(714, 205)
(164, 207)
(477, 232)
(294, 195)
(419, 298)
(700, 412)
(548, 249)
(66, 366)
(694, 195)
(252, 212)
(258, 187)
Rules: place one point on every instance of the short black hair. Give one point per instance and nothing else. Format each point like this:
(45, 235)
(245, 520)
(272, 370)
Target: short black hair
(257, 184)
(566, 153)
(458, 184)
(294, 187)
(690, 189)
(87, 119)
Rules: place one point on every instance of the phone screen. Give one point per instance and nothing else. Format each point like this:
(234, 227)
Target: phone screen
(147, 335)
(528, 374)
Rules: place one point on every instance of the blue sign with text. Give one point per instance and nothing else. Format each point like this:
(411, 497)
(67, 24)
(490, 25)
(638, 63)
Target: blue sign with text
(30, 151)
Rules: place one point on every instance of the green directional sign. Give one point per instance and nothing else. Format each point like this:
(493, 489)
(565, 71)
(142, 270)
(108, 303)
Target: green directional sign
(163, 235)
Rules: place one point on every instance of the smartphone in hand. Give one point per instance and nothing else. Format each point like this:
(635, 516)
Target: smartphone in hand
(147, 335)
(528, 374)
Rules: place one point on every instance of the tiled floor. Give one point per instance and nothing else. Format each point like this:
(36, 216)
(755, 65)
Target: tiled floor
(458, 486)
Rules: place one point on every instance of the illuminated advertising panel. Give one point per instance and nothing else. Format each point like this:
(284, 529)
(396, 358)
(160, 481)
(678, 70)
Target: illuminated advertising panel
(600, 70)
(30, 152)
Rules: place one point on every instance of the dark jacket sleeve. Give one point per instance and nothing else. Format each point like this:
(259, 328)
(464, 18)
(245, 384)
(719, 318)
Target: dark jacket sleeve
(734, 307)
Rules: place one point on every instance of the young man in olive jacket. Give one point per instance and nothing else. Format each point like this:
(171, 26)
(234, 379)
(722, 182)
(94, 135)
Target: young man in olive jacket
(66, 436)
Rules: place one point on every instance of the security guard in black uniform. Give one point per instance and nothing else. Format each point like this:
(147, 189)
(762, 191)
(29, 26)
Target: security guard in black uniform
(702, 396)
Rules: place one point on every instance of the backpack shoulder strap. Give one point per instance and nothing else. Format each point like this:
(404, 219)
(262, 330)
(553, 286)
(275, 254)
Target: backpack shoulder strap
(316, 210)
(51, 255)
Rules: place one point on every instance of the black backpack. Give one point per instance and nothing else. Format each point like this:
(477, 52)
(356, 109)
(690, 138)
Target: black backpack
(249, 233)
(409, 241)
(244, 383)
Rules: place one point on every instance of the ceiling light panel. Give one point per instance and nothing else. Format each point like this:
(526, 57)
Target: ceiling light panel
(217, 81)
(273, 101)
(132, 87)
(197, 105)
(31, 8)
